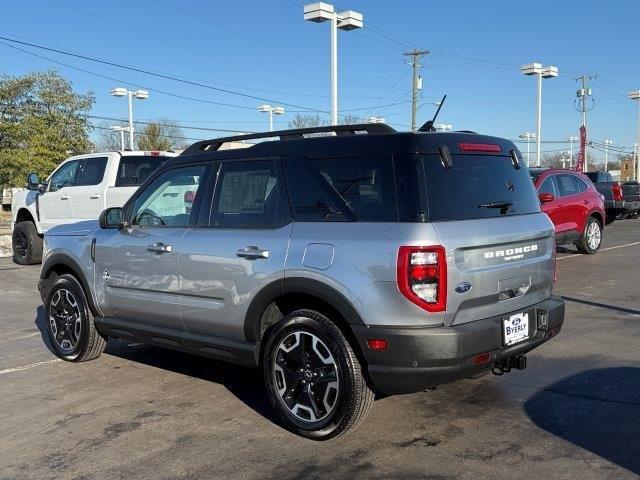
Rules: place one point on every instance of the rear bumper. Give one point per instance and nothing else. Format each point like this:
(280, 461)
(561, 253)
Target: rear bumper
(623, 205)
(418, 358)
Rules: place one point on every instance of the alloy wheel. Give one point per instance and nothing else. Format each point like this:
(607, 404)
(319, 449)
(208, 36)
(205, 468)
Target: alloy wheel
(65, 319)
(594, 236)
(305, 375)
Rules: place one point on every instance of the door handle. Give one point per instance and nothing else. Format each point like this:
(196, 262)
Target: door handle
(94, 196)
(252, 252)
(65, 197)
(159, 248)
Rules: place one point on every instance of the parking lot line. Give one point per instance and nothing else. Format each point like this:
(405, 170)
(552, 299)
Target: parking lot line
(29, 366)
(602, 250)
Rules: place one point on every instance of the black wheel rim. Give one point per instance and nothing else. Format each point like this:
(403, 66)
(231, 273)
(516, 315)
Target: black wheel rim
(305, 376)
(65, 319)
(21, 245)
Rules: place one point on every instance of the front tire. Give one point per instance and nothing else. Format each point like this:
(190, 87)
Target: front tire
(26, 244)
(591, 238)
(313, 378)
(69, 322)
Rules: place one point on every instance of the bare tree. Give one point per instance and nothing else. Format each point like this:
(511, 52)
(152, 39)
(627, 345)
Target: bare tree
(108, 139)
(161, 134)
(307, 120)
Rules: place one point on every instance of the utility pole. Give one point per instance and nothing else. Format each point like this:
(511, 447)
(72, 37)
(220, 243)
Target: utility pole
(415, 58)
(583, 94)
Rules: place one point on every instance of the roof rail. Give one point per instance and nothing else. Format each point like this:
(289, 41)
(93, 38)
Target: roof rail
(294, 134)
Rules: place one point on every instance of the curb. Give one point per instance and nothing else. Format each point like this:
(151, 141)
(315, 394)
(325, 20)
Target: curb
(5, 246)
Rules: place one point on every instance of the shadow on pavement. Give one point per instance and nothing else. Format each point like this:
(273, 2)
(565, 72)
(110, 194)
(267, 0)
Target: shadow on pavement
(602, 305)
(596, 410)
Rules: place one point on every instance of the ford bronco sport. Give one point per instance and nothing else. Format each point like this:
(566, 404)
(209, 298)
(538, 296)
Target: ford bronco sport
(345, 262)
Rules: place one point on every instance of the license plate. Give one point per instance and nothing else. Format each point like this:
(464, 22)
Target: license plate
(516, 329)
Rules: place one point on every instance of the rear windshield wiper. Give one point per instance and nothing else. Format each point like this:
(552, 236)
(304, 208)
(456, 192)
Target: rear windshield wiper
(495, 205)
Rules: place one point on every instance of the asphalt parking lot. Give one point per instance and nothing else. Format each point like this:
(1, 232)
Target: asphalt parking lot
(144, 412)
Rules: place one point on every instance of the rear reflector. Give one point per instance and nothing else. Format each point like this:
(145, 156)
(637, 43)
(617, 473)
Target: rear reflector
(482, 358)
(479, 147)
(377, 344)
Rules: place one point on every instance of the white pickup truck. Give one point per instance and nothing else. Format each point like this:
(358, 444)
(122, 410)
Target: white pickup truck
(79, 189)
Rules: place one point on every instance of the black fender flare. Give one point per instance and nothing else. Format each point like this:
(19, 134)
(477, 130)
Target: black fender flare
(61, 259)
(292, 285)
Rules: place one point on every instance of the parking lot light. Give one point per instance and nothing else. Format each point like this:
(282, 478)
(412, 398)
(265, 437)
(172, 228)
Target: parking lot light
(607, 143)
(138, 94)
(120, 129)
(528, 136)
(271, 111)
(635, 95)
(541, 72)
(376, 120)
(443, 127)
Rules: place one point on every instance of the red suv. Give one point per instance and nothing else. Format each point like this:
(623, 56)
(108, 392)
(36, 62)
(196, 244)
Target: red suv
(574, 206)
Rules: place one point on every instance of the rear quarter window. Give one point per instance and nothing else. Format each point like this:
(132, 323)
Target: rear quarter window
(473, 184)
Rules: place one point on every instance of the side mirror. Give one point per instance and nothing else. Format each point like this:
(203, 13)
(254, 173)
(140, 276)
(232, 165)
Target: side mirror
(33, 181)
(112, 218)
(546, 197)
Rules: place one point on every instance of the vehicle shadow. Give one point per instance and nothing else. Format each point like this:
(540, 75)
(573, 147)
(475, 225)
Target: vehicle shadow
(596, 410)
(245, 383)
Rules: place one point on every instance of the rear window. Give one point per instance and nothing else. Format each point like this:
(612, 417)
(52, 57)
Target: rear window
(477, 186)
(134, 169)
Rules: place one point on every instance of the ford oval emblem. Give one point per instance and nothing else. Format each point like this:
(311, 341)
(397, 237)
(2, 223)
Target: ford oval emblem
(463, 287)
(515, 322)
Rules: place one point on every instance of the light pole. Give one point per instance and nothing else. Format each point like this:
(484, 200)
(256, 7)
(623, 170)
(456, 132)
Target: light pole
(571, 140)
(347, 20)
(443, 127)
(271, 111)
(120, 129)
(541, 72)
(376, 120)
(606, 154)
(635, 95)
(140, 95)
(528, 136)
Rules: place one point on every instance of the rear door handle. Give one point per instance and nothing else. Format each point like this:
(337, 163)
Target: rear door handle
(252, 252)
(65, 197)
(159, 248)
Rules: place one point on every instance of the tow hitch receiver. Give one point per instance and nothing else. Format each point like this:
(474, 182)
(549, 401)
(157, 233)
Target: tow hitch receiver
(501, 367)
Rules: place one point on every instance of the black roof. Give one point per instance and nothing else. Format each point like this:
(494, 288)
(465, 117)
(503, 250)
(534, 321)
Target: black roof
(361, 139)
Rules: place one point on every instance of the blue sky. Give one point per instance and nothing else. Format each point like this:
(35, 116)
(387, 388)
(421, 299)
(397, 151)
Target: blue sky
(265, 49)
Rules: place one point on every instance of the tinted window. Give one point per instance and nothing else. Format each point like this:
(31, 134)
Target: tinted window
(65, 176)
(549, 186)
(477, 186)
(570, 185)
(247, 195)
(168, 199)
(342, 189)
(92, 171)
(134, 170)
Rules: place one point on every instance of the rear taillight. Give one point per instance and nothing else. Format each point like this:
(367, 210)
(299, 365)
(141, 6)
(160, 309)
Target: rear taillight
(616, 189)
(422, 276)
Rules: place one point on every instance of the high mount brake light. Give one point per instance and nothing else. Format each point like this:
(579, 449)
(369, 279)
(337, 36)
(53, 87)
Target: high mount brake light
(480, 147)
(422, 276)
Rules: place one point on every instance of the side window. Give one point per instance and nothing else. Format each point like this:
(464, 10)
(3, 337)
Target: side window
(92, 171)
(549, 186)
(342, 189)
(568, 185)
(167, 200)
(247, 195)
(64, 177)
(580, 185)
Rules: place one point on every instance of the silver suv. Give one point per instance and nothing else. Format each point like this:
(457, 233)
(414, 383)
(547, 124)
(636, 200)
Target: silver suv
(345, 262)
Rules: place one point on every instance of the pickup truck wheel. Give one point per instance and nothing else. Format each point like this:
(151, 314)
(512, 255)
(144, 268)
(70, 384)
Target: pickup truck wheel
(26, 243)
(591, 238)
(313, 378)
(69, 322)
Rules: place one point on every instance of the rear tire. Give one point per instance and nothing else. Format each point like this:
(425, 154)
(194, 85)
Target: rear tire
(313, 378)
(69, 322)
(591, 237)
(26, 244)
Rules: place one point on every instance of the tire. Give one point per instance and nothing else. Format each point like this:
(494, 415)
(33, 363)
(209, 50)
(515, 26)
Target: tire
(634, 215)
(66, 304)
(610, 216)
(591, 237)
(26, 244)
(334, 377)
(622, 216)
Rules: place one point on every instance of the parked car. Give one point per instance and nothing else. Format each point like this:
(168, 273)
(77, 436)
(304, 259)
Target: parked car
(574, 206)
(365, 263)
(621, 200)
(79, 189)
